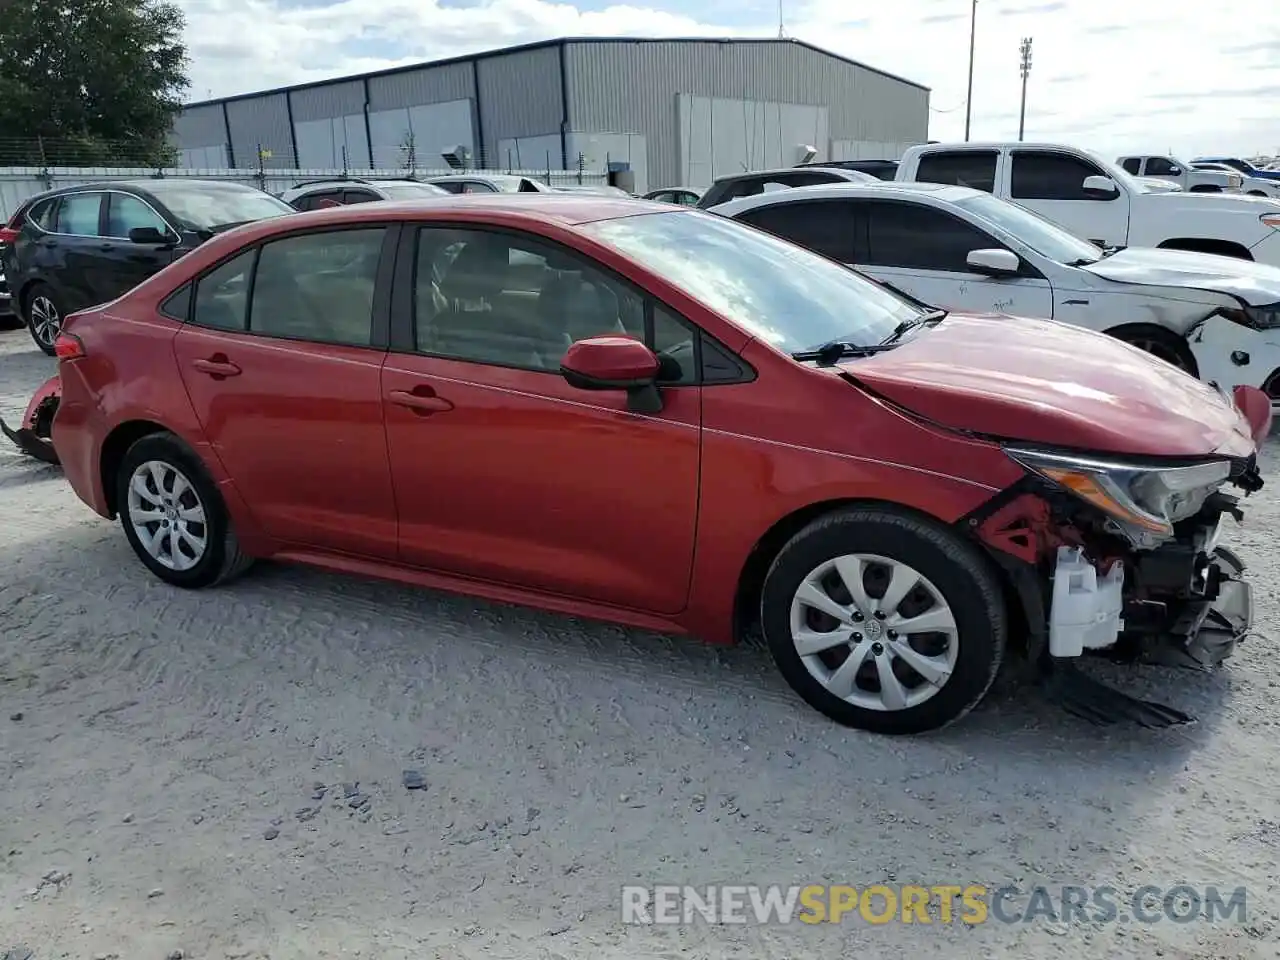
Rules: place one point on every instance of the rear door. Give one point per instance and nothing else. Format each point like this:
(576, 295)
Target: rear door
(75, 253)
(130, 263)
(282, 359)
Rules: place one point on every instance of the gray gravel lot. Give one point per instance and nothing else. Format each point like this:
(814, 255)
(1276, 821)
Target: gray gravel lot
(169, 745)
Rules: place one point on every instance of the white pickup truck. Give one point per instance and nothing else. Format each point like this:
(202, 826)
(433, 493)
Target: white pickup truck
(1185, 175)
(1099, 201)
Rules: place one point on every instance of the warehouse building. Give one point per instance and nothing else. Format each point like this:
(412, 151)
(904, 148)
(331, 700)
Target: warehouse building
(675, 112)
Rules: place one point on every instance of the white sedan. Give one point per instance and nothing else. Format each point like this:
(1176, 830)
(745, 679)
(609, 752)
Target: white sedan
(952, 247)
(1253, 186)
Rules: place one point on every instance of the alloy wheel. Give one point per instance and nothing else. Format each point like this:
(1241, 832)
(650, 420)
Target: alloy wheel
(46, 321)
(167, 515)
(874, 632)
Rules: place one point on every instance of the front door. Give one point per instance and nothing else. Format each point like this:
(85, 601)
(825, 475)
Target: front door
(505, 473)
(1052, 185)
(287, 388)
(130, 263)
(923, 251)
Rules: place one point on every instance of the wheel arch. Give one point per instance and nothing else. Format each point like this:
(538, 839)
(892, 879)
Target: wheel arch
(1156, 332)
(115, 445)
(1225, 248)
(746, 605)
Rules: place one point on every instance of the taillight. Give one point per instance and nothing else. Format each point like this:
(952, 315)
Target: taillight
(8, 235)
(68, 347)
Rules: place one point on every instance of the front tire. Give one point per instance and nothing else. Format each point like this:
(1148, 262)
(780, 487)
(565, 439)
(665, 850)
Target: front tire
(173, 515)
(44, 315)
(884, 621)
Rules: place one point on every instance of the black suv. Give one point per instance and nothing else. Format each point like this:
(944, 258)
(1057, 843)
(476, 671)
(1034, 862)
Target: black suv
(880, 169)
(76, 247)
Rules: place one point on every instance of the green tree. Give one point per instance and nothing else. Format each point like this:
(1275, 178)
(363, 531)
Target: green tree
(89, 82)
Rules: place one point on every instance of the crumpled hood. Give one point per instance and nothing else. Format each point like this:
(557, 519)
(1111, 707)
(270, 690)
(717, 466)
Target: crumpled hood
(1044, 382)
(1258, 284)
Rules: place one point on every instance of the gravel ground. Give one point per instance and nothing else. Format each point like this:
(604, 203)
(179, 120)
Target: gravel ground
(161, 752)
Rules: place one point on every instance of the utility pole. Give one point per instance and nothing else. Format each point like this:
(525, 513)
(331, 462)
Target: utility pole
(968, 101)
(1024, 49)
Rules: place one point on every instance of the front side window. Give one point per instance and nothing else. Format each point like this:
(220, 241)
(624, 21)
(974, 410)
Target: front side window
(517, 301)
(959, 168)
(1045, 238)
(1162, 167)
(78, 214)
(1050, 176)
(772, 289)
(222, 294)
(823, 226)
(917, 237)
(125, 213)
(318, 286)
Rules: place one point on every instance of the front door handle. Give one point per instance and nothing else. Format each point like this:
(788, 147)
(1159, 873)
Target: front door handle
(217, 366)
(420, 401)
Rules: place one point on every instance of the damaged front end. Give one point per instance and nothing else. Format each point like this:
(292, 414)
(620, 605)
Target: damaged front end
(34, 434)
(1122, 557)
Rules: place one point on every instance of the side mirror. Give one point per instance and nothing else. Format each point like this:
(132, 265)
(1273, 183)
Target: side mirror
(1100, 188)
(998, 263)
(149, 235)
(1175, 171)
(615, 363)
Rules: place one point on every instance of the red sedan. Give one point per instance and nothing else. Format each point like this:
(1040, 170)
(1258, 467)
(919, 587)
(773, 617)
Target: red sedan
(659, 417)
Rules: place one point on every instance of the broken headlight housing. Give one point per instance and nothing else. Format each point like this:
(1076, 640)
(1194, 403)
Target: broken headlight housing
(1255, 318)
(1141, 502)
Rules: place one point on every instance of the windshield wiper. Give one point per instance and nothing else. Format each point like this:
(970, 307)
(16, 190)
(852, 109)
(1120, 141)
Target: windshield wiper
(828, 353)
(906, 326)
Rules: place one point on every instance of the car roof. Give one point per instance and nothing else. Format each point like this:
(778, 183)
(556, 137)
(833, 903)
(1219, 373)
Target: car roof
(884, 189)
(151, 185)
(840, 171)
(479, 175)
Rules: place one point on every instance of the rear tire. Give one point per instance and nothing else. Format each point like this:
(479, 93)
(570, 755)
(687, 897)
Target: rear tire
(42, 309)
(924, 657)
(174, 517)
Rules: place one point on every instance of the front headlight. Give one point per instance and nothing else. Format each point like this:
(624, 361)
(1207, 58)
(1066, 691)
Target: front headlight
(1144, 502)
(1255, 318)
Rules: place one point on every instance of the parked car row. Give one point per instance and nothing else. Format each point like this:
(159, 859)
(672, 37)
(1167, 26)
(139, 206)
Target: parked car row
(894, 428)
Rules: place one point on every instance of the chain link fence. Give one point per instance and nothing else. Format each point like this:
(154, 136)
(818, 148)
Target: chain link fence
(30, 166)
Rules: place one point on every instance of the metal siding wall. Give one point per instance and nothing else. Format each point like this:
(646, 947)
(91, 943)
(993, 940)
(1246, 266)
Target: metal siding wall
(200, 127)
(327, 102)
(631, 88)
(520, 96)
(260, 120)
(416, 87)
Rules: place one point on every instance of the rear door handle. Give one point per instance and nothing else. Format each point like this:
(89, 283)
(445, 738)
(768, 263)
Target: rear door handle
(421, 401)
(219, 367)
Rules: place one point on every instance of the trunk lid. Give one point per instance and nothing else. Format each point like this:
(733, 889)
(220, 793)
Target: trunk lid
(1045, 382)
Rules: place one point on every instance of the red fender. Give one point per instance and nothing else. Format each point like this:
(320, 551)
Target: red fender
(1256, 407)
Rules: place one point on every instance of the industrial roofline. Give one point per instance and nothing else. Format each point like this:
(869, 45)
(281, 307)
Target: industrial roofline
(542, 45)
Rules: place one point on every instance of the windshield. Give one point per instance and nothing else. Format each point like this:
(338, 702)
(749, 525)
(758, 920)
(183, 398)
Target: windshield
(779, 292)
(1045, 238)
(205, 206)
(1119, 174)
(411, 191)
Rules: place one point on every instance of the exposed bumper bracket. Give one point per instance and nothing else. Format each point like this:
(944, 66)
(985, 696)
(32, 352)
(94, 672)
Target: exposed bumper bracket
(1102, 705)
(31, 444)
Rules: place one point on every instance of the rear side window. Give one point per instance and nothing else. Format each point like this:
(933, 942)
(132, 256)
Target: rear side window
(961, 168)
(359, 196)
(823, 226)
(318, 200)
(177, 306)
(318, 287)
(1050, 176)
(921, 238)
(1132, 164)
(476, 186)
(222, 295)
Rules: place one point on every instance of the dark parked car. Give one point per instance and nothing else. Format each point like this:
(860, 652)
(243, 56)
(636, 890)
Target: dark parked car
(735, 185)
(880, 169)
(77, 247)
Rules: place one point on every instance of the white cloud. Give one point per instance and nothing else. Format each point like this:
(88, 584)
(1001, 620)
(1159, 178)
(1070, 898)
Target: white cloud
(1114, 77)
